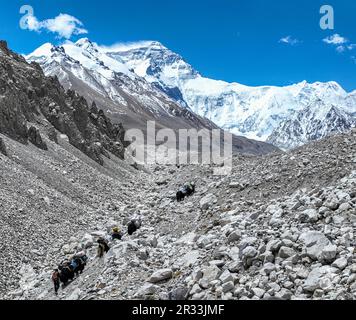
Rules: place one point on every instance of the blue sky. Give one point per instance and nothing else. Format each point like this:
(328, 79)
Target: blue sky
(232, 40)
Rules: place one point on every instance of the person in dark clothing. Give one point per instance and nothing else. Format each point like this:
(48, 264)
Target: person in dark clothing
(56, 280)
(116, 234)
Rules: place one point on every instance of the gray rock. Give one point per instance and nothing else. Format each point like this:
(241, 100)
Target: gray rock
(234, 266)
(316, 276)
(344, 207)
(286, 252)
(340, 263)
(211, 273)
(206, 202)
(196, 289)
(143, 254)
(147, 289)
(310, 215)
(75, 295)
(161, 275)
(284, 294)
(35, 138)
(258, 292)
(237, 185)
(249, 252)
(226, 277)
(178, 294)
(153, 241)
(332, 204)
(314, 243)
(247, 242)
(228, 287)
(234, 236)
(328, 253)
(274, 246)
(268, 268)
(3, 147)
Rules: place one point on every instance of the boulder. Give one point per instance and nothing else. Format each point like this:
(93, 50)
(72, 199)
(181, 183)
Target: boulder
(190, 258)
(161, 275)
(237, 185)
(258, 292)
(286, 252)
(314, 243)
(3, 147)
(332, 203)
(247, 242)
(317, 276)
(228, 287)
(211, 273)
(344, 207)
(179, 294)
(206, 202)
(309, 216)
(249, 252)
(147, 289)
(328, 253)
(35, 138)
(226, 277)
(234, 236)
(143, 254)
(273, 246)
(88, 241)
(268, 268)
(340, 263)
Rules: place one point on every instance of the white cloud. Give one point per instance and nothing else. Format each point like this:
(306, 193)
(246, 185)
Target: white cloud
(289, 40)
(342, 44)
(340, 49)
(117, 47)
(64, 25)
(335, 39)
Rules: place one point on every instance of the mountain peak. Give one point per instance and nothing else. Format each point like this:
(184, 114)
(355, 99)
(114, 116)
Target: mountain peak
(44, 50)
(86, 44)
(157, 45)
(83, 41)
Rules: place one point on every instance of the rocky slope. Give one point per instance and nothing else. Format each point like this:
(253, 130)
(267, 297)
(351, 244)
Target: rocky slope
(283, 227)
(254, 112)
(31, 103)
(61, 165)
(44, 187)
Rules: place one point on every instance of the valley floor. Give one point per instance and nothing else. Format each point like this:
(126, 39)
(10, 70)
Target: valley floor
(280, 225)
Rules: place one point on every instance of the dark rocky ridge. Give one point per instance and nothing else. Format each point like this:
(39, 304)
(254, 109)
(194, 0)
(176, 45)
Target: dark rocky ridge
(27, 97)
(3, 147)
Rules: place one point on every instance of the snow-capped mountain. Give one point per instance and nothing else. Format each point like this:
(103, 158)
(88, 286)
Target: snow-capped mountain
(119, 89)
(86, 68)
(150, 75)
(312, 123)
(254, 112)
